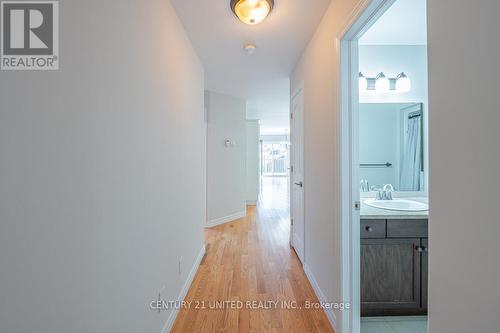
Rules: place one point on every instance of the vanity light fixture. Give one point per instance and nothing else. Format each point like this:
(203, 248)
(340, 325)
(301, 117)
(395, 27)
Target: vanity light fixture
(252, 11)
(382, 84)
(363, 83)
(403, 83)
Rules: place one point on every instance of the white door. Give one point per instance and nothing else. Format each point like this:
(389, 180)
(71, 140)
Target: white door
(297, 177)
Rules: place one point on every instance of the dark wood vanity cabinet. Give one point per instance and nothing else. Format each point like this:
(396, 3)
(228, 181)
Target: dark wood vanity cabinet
(425, 274)
(393, 267)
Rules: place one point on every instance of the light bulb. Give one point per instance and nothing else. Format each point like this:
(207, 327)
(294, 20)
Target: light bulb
(382, 84)
(363, 83)
(403, 83)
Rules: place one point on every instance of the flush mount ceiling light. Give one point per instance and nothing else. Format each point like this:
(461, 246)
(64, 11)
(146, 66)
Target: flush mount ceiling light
(252, 11)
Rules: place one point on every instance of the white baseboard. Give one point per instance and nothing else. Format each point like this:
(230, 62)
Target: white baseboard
(226, 219)
(182, 295)
(317, 290)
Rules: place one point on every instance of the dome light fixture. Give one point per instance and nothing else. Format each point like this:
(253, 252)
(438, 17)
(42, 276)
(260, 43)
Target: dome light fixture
(382, 84)
(252, 11)
(403, 83)
(250, 48)
(363, 83)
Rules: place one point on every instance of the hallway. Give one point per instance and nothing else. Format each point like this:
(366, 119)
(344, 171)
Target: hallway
(250, 260)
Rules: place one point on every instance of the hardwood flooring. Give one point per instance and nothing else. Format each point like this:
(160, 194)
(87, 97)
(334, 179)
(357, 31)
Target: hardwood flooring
(250, 260)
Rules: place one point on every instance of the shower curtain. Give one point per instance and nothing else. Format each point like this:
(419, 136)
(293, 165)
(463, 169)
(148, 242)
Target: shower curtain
(412, 158)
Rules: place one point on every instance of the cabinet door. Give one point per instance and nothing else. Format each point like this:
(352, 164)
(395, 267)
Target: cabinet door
(425, 273)
(390, 276)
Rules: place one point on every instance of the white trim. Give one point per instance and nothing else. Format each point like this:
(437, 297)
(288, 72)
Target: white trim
(252, 202)
(349, 222)
(226, 219)
(360, 20)
(293, 94)
(297, 90)
(321, 297)
(185, 288)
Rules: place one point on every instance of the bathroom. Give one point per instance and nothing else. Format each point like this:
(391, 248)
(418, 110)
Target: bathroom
(393, 170)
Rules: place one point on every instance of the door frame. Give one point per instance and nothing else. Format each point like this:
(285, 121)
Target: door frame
(295, 93)
(361, 19)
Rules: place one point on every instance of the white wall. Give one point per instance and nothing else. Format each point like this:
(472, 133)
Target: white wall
(318, 70)
(226, 166)
(464, 60)
(253, 161)
(102, 173)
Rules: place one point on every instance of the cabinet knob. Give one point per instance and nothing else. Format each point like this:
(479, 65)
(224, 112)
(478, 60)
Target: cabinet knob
(369, 229)
(419, 249)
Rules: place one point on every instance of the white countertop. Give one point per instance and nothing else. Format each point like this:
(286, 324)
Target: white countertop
(368, 212)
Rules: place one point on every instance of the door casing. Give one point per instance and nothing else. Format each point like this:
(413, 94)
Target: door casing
(365, 15)
(297, 193)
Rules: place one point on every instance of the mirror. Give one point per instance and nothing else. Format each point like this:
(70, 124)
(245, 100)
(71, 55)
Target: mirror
(392, 146)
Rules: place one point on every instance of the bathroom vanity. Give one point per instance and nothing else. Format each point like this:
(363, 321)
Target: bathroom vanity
(394, 249)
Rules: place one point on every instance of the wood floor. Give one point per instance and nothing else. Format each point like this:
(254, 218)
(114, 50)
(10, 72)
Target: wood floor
(251, 260)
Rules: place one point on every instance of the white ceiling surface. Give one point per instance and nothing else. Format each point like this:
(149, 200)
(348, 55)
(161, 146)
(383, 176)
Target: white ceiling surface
(262, 78)
(404, 23)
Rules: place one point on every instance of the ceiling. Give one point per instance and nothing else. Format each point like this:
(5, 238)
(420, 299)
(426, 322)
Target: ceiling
(404, 23)
(262, 78)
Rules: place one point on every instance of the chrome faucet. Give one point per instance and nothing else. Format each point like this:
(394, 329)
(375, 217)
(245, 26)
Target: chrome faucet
(388, 187)
(364, 186)
(385, 193)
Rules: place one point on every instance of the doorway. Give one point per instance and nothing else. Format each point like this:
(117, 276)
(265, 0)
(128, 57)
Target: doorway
(384, 149)
(274, 173)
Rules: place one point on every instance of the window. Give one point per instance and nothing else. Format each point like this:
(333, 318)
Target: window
(275, 159)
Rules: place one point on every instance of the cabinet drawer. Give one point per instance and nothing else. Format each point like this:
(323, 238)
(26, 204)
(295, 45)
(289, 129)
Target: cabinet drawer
(407, 228)
(372, 229)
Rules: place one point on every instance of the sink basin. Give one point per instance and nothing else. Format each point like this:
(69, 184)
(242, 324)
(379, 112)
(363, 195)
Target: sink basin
(398, 204)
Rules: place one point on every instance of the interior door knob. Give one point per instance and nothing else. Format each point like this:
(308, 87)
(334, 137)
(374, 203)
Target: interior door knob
(299, 184)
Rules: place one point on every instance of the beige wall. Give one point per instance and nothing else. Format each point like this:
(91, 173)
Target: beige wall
(102, 173)
(318, 71)
(464, 67)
